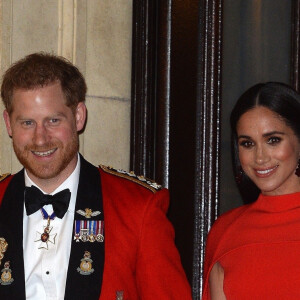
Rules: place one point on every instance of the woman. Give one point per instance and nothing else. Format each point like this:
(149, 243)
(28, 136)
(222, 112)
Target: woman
(253, 252)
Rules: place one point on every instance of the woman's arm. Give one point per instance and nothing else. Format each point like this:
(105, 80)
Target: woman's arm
(216, 280)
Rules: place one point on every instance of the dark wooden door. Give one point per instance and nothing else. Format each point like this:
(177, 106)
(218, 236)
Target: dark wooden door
(176, 112)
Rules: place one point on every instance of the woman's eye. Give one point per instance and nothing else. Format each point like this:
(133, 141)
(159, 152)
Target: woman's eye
(274, 140)
(246, 144)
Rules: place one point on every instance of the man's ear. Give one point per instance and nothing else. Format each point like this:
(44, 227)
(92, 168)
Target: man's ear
(7, 122)
(80, 116)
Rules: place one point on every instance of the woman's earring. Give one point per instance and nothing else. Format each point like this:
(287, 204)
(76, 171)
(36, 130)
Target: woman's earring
(239, 175)
(297, 172)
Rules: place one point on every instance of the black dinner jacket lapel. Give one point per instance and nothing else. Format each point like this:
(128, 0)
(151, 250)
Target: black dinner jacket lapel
(89, 195)
(78, 286)
(11, 228)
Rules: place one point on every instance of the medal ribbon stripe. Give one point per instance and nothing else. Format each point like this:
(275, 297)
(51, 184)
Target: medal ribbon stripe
(97, 227)
(89, 230)
(100, 227)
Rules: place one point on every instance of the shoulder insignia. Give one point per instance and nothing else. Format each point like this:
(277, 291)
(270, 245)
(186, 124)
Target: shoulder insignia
(141, 180)
(2, 177)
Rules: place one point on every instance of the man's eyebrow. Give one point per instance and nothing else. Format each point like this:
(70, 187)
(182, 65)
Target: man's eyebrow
(60, 114)
(22, 118)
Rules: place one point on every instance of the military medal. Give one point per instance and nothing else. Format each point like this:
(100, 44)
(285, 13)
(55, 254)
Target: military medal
(89, 231)
(84, 231)
(100, 231)
(119, 295)
(6, 277)
(77, 231)
(92, 232)
(85, 267)
(3, 248)
(46, 237)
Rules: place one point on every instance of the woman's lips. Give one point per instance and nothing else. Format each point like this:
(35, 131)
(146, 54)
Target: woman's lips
(265, 172)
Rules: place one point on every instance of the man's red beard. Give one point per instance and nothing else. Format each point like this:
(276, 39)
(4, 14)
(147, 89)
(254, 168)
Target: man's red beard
(55, 167)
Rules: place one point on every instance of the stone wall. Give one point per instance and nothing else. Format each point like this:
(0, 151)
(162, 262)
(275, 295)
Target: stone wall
(96, 36)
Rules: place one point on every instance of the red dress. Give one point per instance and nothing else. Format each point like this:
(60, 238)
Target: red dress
(258, 246)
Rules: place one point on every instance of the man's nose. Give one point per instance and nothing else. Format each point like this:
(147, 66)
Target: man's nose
(41, 135)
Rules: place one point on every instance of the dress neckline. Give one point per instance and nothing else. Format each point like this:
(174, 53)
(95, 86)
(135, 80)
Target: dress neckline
(278, 203)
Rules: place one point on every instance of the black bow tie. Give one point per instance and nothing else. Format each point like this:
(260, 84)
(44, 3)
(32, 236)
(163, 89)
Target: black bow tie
(36, 199)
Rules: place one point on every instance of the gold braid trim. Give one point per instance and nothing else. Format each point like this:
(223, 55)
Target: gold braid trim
(2, 177)
(141, 180)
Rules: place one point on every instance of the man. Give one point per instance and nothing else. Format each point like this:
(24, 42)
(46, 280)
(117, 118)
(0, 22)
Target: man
(53, 241)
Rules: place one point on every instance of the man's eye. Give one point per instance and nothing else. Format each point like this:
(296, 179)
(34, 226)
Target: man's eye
(274, 140)
(54, 121)
(27, 123)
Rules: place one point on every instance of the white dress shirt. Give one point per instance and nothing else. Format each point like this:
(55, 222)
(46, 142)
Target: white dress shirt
(46, 270)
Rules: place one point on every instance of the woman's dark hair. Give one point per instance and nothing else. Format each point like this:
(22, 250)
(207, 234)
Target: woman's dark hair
(279, 98)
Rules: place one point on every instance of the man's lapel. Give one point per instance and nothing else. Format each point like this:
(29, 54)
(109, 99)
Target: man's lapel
(86, 285)
(11, 228)
(89, 195)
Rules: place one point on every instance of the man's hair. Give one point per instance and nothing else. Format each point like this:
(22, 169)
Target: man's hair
(41, 69)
